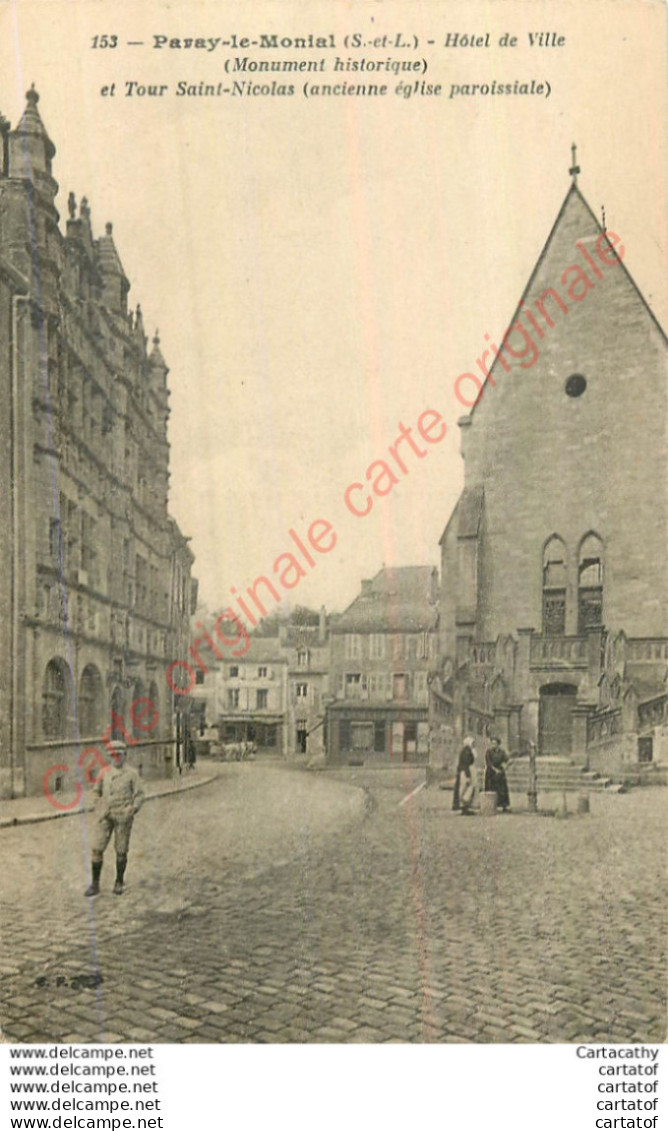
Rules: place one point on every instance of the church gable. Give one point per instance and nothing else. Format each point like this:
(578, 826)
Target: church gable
(569, 437)
(555, 561)
(579, 294)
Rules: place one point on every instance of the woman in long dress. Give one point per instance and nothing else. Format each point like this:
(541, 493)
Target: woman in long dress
(496, 781)
(466, 782)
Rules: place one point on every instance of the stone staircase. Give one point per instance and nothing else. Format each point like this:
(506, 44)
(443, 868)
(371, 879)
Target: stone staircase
(554, 774)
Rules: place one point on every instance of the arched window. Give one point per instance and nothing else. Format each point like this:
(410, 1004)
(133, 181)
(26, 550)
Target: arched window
(554, 587)
(590, 584)
(54, 699)
(90, 701)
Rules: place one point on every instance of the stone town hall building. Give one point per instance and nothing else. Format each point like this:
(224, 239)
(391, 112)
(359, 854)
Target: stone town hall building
(554, 605)
(95, 585)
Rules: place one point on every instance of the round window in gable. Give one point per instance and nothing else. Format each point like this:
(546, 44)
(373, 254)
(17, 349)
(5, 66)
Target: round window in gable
(575, 385)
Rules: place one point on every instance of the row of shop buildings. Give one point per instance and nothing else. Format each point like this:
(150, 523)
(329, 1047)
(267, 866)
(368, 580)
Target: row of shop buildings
(352, 688)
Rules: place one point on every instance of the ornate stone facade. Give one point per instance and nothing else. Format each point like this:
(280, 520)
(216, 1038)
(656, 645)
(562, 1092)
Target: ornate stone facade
(96, 576)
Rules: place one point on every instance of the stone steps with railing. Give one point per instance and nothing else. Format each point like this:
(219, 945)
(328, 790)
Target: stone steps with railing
(555, 774)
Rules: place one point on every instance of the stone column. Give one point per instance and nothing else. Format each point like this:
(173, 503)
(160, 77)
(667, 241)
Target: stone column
(595, 645)
(514, 728)
(523, 663)
(579, 717)
(524, 685)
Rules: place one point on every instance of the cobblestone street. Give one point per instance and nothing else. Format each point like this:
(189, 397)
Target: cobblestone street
(279, 906)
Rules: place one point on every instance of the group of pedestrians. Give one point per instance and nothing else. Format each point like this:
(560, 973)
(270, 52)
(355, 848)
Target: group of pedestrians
(466, 778)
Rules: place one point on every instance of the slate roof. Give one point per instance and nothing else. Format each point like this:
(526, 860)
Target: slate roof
(262, 649)
(395, 600)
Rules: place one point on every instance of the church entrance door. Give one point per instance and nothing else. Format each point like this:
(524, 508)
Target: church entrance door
(555, 718)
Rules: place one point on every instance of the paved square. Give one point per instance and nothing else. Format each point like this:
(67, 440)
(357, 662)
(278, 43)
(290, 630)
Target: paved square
(281, 906)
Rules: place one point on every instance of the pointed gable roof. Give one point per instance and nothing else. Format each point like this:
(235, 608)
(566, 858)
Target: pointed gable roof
(575, 222)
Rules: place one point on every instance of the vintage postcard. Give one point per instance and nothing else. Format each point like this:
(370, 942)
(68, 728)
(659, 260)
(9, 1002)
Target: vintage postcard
(334, 602)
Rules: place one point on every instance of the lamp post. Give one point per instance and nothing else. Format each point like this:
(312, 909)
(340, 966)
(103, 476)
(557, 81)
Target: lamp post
(532, 792)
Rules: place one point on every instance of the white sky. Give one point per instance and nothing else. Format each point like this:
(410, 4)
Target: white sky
(321, 270)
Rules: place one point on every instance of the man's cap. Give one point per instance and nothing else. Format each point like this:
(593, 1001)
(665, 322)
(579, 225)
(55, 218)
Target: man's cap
(118, 744)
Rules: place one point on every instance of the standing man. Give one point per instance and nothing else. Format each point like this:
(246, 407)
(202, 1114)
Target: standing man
(120, 796)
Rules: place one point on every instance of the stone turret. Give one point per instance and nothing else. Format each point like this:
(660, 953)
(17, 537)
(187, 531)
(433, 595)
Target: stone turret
(28, 154)
(138, 331)
(115, 285)
(31, 150)
(159, 369)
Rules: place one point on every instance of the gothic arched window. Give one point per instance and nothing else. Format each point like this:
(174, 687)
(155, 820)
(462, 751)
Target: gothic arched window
(590, 583)
(54, 699)
(90, 701)
(554, 587)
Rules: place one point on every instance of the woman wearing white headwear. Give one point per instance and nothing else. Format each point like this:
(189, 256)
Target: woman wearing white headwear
(466, 779)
